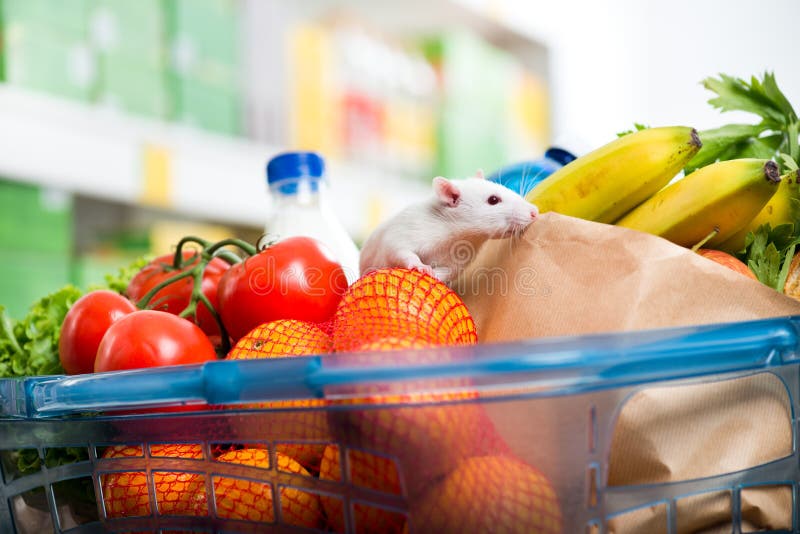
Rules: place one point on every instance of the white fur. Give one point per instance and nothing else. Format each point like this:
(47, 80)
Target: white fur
(441, 235)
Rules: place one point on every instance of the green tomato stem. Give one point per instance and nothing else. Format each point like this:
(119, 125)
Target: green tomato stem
(226, 344)
(155, 304)
(199, 297)
(248, 249)
(208, 253)
(197, 290)
(177, 261)
(227, 256)
(145, 300)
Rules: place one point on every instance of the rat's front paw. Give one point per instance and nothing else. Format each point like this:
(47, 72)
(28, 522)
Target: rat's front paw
(421, 267)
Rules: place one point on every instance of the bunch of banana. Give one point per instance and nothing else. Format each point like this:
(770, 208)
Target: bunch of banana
(605, 184)
(625, 183)
(720, 198)
(782, 208)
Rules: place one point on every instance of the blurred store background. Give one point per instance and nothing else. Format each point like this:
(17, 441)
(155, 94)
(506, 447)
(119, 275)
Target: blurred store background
(125, 124)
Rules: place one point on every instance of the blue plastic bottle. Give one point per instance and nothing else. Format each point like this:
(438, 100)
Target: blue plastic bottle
(521, 177)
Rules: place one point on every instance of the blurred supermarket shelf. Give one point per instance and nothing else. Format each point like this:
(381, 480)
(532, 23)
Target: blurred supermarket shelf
(420, 17)
(102, 153)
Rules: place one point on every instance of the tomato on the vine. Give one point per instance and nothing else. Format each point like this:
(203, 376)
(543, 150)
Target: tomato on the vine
(175, 297)
(85, 325)
(296, 278)
(151, 338)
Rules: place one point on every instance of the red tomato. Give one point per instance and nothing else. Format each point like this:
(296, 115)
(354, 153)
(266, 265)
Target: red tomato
(150, 338)
(296, 278)
(175, 297)
(85, 325)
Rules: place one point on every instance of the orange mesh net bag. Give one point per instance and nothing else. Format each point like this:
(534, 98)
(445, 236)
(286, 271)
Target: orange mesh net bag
(284, 337)
(401, 304)
(247, 499)
(427, 443)
(280, 339)
(183, 493)
(488, 494)
(126, 493)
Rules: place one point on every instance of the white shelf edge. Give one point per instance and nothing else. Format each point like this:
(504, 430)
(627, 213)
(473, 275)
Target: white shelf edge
(97, 152)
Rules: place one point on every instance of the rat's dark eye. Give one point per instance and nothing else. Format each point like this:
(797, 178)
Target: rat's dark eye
(492, 200)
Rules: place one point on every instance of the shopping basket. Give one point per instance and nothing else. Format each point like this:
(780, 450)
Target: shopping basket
(553, 405)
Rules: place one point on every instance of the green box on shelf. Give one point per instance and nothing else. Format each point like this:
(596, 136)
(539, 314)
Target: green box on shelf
(472, 123)
(26, 276)
(49, 61)
(35, 219)
(66, 17)
(208, 107)
(212, 26)
(136, 88)
(2, 46)
(131, 31)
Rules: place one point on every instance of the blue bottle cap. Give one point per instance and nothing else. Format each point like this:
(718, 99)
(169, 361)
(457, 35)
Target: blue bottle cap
(290, 168)
(560, 155)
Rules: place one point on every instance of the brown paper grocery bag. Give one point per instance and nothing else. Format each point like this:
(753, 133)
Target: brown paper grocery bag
(567, 276)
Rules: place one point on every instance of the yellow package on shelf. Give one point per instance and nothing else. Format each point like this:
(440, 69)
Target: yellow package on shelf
(529, 114)
(314, 114)
(156, 176)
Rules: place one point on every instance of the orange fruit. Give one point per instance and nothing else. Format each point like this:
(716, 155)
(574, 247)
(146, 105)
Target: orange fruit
(250, 500)
(401, 303)
(288, 337)
(425, 434)
(284, 337)
(425, 426)
(299, 429)
(729, 261)
(125, 494)
(369, 471)
(489, 494)
(424, 441)
(394, 343)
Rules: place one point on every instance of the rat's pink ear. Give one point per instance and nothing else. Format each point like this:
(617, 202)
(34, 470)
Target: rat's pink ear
(479, 174)
(446, 190)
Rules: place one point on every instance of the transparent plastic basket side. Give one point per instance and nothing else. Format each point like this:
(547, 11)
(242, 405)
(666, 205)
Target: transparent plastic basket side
(541, 413)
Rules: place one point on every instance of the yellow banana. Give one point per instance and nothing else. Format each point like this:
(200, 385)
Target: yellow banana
(782, 208)
(723, 196)
(608, 182)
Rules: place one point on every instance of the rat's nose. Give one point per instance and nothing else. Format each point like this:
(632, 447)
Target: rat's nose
(534, 213)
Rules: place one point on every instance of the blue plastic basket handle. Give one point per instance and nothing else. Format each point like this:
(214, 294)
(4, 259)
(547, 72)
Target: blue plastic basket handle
(549, 366)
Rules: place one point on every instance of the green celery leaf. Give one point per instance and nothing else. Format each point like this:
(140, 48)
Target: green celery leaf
(788, 162)
(757, 242)
(735, 94)
(792, 133)
(784, 272)
(782, 235)
(774, 93)
(761, 148)
(768, 252)
(767, 265)
(638, 127)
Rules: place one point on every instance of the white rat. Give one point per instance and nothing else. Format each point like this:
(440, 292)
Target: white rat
(442, 234)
